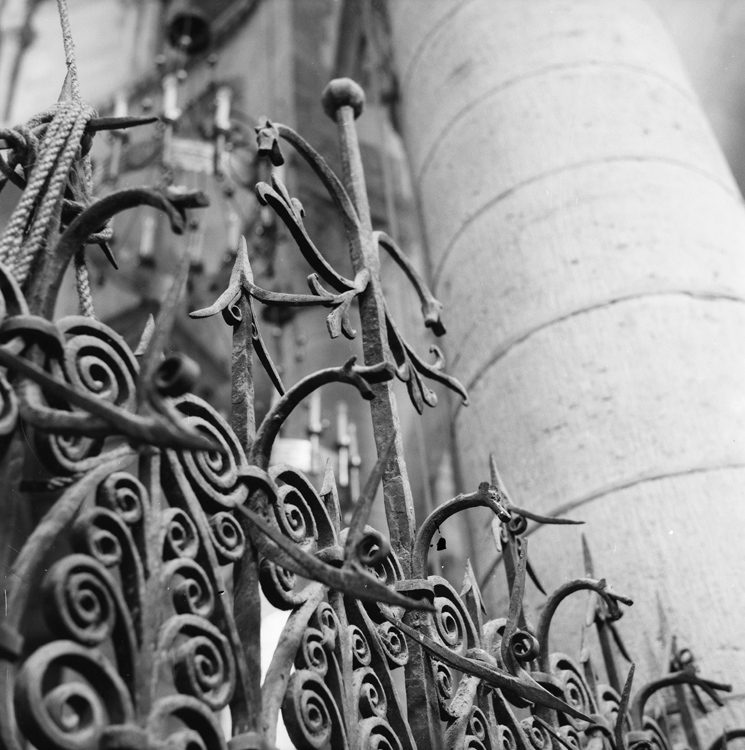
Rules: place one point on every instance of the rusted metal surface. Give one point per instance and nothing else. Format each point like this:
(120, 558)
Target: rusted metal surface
(133, 612)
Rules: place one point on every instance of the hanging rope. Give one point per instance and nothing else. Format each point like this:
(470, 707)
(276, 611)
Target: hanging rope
(31, 222)
(34, 224)
(69, 45)
(82, 277)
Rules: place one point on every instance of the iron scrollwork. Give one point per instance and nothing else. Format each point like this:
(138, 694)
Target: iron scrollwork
(132, 608)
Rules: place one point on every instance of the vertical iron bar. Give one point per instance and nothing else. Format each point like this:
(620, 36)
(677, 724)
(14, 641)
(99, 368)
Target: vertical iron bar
(343, 100)
(242, 418)
(246, 597)
(686, 718)
(608, 657)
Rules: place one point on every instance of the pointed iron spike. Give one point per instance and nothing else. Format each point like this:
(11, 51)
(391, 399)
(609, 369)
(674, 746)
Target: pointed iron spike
(701, 707)
(493, 473)
(619, 643)
(147, 334)
(162, 330)
(468, 577)
(329, 479)
(109, 254)
(228, 298)
(623, 708)
(666, 635)
(591, 611)
(471, 586)
(549, 520)
(263, 353)
(498, 482)
(534, 577)
(242, 262)
(587, 557)
(118, 123)
(365, 501)
(330, 495)
(65, 94)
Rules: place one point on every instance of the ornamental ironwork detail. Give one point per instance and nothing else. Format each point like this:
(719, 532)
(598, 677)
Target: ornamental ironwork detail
(132, 606)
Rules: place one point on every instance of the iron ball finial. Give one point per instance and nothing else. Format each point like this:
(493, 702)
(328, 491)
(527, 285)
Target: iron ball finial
(343, 92)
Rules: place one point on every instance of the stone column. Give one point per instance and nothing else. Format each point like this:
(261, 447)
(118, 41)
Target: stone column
(588, 241)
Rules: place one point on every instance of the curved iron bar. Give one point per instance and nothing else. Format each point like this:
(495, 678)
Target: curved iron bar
(498, 482)
(431, 307)
(684, 677)
(360, 377)
(45, 282)
(410, 366)
(722, 742)
(289, 210)
(99, 418)
(579, 584)
(351, 579)
(514, 616)
(486, 496)
(268, 138)
(280, 667)
(478, 665)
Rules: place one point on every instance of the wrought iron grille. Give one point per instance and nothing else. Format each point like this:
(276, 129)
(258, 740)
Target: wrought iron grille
(132, 609)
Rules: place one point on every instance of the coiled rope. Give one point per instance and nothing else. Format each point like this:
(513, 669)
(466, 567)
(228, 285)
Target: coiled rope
(35, 220)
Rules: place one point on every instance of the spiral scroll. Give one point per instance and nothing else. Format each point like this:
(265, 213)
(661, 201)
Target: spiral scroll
(105, 536)
(452, 621)
(201, 659)
(67, 695)
(124, 494)
(227, 537)
(394, 644)
(96, 361)
(312, 653)
(181, 535)
(477, 732)
(375, 734)
(311, 714)
(190, 588)
(572, 684)
(537, 734)
(301, 515)
(212, 475)
(184, 722)
(83, 602)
